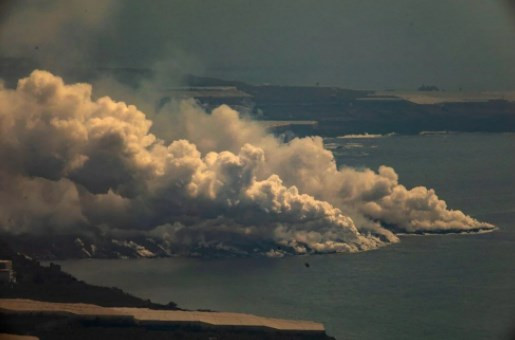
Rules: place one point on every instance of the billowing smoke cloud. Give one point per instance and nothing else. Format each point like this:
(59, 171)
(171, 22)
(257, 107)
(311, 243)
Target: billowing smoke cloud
(72, 164)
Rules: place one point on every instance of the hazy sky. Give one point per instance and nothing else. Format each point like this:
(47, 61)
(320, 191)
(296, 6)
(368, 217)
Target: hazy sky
(351, 43)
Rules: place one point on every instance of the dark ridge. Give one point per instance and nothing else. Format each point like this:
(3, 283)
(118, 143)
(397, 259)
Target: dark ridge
(34, 281)
(342, 111)
(338, 111)
(37, 282)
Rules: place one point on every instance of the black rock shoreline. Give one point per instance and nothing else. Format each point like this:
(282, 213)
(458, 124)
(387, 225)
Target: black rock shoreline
(49, 283)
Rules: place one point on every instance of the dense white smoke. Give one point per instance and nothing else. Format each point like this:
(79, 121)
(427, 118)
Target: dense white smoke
(71, 164)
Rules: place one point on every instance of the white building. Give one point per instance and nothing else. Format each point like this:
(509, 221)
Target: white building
(6, 272)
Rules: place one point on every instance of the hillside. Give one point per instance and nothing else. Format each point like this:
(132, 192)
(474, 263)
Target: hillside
(50, 283)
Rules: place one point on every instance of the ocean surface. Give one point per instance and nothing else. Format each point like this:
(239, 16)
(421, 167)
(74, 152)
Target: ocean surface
(425, 287)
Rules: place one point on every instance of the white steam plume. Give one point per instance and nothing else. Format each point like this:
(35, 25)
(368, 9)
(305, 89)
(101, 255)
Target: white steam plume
(70, 163)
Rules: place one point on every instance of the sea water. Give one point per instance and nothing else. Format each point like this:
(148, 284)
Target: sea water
(425, 287)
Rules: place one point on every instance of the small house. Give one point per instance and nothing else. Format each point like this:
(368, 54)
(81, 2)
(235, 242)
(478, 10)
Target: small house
(6, 272)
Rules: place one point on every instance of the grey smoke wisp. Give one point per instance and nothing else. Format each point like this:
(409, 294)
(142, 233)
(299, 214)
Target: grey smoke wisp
(72, 164)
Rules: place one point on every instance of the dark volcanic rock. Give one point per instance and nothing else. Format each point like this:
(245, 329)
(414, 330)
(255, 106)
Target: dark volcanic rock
(34, 281)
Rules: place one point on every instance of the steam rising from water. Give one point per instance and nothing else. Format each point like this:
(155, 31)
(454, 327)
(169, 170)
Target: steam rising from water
(71, 164)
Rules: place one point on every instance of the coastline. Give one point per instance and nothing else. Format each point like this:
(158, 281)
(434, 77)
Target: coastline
(49, 303)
